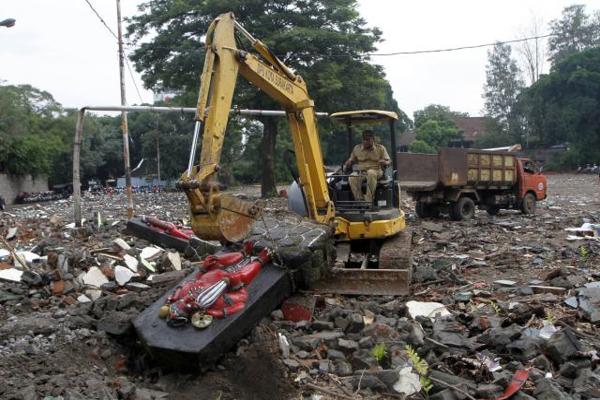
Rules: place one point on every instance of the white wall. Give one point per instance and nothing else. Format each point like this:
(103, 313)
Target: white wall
(11, 186)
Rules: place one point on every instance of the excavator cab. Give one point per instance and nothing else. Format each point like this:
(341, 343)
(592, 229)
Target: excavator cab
(373, 247)
(387, 194)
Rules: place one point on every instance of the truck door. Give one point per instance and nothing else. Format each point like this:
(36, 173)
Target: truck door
(530, 180)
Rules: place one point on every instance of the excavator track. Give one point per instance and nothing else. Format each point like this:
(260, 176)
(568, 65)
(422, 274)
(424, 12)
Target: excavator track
(391, 278)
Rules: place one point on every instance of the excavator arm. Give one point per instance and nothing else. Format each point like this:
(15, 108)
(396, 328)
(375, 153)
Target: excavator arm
(217, 216)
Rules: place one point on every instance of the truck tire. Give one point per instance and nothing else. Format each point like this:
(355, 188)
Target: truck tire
(463, 209)
(492, 210)
(434, 210)
(422, 210)
(528, 204)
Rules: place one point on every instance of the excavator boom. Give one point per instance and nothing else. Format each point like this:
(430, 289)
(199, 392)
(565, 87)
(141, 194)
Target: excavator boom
(216, 216)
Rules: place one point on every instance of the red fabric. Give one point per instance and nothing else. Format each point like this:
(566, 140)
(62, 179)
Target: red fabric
(515, 385)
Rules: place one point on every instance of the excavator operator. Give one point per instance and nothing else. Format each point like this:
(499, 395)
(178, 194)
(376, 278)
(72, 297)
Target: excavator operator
(370, 159)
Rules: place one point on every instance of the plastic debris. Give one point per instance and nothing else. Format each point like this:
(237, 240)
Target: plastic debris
(284, 345)
(11, 274)
(426, 309)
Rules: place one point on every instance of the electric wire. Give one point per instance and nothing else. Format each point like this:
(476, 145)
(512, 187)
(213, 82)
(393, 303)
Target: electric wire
(116, 37)
(396, 53)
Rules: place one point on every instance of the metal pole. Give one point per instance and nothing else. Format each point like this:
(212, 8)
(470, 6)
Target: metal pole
(190, 110)
(124, 126)
(76, 161)
(79, 137)
(158, 156)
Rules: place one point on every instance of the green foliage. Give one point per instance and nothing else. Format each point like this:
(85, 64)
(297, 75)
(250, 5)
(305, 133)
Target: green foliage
(379, 352)
(435, 128)
(439, 113)
(501, 90)
(421, 367)
(495, 307)
(574, 32)
(419, 146)
(28, 137)
(584, 253)
(564, 106)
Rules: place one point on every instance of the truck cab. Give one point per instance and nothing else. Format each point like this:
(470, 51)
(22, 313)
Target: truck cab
(532, 185)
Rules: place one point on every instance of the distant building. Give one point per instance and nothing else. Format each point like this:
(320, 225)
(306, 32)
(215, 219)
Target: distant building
(472, 128)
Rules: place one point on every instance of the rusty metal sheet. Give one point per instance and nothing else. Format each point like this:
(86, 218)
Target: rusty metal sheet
(419, 168)
(392, 278)
(453, 165)
(236, 217)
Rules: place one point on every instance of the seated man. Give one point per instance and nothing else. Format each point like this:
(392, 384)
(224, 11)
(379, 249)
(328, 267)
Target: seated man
(370, 159)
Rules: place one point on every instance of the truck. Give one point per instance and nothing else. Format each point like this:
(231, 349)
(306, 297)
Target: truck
(457, 180)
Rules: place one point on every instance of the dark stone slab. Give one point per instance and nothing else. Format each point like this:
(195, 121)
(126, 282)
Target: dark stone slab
(188, 347)
(142, 230)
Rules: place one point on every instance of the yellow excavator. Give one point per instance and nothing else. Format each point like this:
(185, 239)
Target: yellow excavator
(373, 247)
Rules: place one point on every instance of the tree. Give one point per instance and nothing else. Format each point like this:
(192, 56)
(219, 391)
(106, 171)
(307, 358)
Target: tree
(573, 32)
(27, 142)
(420, 146)
(435, 127)
(532, 51)
(564, 106)
(501, 90)
(325, 41)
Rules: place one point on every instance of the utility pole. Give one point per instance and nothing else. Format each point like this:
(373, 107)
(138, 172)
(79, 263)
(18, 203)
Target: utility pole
(124, 126)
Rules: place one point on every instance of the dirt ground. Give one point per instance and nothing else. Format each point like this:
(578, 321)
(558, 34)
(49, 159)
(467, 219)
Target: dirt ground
(49, 348)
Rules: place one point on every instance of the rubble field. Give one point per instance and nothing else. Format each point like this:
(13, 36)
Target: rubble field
(501, 307)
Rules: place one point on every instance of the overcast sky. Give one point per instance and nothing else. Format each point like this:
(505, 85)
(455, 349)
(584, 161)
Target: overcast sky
(63, 48)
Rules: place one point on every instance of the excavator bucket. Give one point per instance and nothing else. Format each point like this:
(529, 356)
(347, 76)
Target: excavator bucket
(232, 220)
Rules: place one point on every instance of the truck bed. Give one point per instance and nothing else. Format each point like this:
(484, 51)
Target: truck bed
(412, 186)
(456, 168)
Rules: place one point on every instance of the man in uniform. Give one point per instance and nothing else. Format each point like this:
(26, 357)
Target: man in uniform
(370, 159)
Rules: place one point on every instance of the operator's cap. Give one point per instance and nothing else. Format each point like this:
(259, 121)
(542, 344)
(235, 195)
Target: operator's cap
(368, 133)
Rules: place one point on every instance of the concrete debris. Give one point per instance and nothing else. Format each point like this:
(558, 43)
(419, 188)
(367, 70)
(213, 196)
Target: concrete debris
(94, 277)
(174, 260)
(123, 275)
(150, 253)
(65, 323)
(131, 262)
(408, 381)
(120, 244)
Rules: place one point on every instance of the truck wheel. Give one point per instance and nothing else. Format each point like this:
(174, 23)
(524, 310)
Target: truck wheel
(492, 210)
(528, 205)
(463, 209)
(422, 210)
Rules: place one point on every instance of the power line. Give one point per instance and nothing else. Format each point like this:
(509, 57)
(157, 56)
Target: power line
(116, 37)
(101, 20)
(397, 53)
